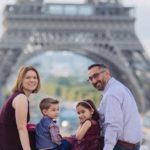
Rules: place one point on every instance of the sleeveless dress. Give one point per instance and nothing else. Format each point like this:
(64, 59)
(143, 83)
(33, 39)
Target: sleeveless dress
(9, 136)
(91, 140)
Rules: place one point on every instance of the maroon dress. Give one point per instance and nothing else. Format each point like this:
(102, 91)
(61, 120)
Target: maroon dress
(9, 136)
(91, 140)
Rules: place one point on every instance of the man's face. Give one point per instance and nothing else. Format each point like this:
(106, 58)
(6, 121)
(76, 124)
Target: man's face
(98, 77)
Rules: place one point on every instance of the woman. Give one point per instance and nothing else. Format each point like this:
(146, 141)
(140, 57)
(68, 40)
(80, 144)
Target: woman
(14, 114)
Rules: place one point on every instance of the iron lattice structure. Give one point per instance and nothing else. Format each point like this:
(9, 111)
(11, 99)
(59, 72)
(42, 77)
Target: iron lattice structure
(101, 30)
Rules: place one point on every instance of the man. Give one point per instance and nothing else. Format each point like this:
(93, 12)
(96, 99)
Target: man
(120, 119)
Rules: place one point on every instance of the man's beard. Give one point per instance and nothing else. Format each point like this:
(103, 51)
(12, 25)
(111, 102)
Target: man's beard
(100, 85)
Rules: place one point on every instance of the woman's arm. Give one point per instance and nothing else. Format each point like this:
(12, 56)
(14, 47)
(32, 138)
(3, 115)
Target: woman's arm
(20, 104)
(83, 129)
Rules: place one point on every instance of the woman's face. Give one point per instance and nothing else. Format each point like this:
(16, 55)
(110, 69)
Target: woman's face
(30, 81)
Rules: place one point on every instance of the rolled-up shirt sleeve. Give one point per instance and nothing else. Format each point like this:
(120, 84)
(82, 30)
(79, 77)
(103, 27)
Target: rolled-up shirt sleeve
(113, 121)
(55, 135)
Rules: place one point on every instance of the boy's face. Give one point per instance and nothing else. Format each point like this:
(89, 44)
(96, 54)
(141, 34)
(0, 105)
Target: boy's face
(52, 112)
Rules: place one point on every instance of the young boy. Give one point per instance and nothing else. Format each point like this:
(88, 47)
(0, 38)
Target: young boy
(47, 132)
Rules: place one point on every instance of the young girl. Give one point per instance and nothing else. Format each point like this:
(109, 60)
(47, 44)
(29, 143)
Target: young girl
(87, 136)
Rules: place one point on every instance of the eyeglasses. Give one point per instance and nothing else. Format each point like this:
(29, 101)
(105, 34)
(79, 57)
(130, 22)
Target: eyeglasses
(95, 75)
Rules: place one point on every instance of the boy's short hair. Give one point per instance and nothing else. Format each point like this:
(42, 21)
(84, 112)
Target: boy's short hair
(46, 102)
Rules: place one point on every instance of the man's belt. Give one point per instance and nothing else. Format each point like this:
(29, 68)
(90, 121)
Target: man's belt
(126, 144)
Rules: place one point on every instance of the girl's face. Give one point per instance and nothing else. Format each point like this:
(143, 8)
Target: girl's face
(30, 81)
(84, 113)
(52, 112)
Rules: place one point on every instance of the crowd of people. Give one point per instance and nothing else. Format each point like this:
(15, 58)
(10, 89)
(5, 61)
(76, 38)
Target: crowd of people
(114, 125)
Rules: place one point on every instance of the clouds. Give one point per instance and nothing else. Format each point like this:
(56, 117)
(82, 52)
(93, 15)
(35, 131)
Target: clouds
(65, 1)
(2, 6)
(137, 3)
(142, 24)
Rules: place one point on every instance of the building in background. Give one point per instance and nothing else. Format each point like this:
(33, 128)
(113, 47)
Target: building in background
(102, 30)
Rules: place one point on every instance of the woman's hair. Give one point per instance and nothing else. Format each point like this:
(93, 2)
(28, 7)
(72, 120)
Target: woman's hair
(47, 102)
(19, 80)
(87, 103)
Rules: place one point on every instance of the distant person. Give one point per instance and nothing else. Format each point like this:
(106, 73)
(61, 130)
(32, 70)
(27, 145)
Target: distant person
(121, 126)
(15, 114)
(87, 136)
(47, 132)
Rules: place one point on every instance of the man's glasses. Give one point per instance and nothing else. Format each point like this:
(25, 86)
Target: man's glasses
(95, 75)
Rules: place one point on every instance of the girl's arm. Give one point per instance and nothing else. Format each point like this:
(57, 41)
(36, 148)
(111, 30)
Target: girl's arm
(78, 128)
(20, 104)
(83, 129)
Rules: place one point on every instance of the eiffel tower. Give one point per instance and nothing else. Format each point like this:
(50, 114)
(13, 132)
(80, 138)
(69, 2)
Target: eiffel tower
(102, 30)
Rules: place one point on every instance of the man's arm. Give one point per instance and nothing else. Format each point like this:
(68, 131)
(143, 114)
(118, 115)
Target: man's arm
(113, 123)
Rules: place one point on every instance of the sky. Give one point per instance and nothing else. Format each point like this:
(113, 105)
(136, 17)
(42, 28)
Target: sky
(142, 12)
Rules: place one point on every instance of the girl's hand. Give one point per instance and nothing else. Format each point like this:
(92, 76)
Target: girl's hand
(83, 129)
